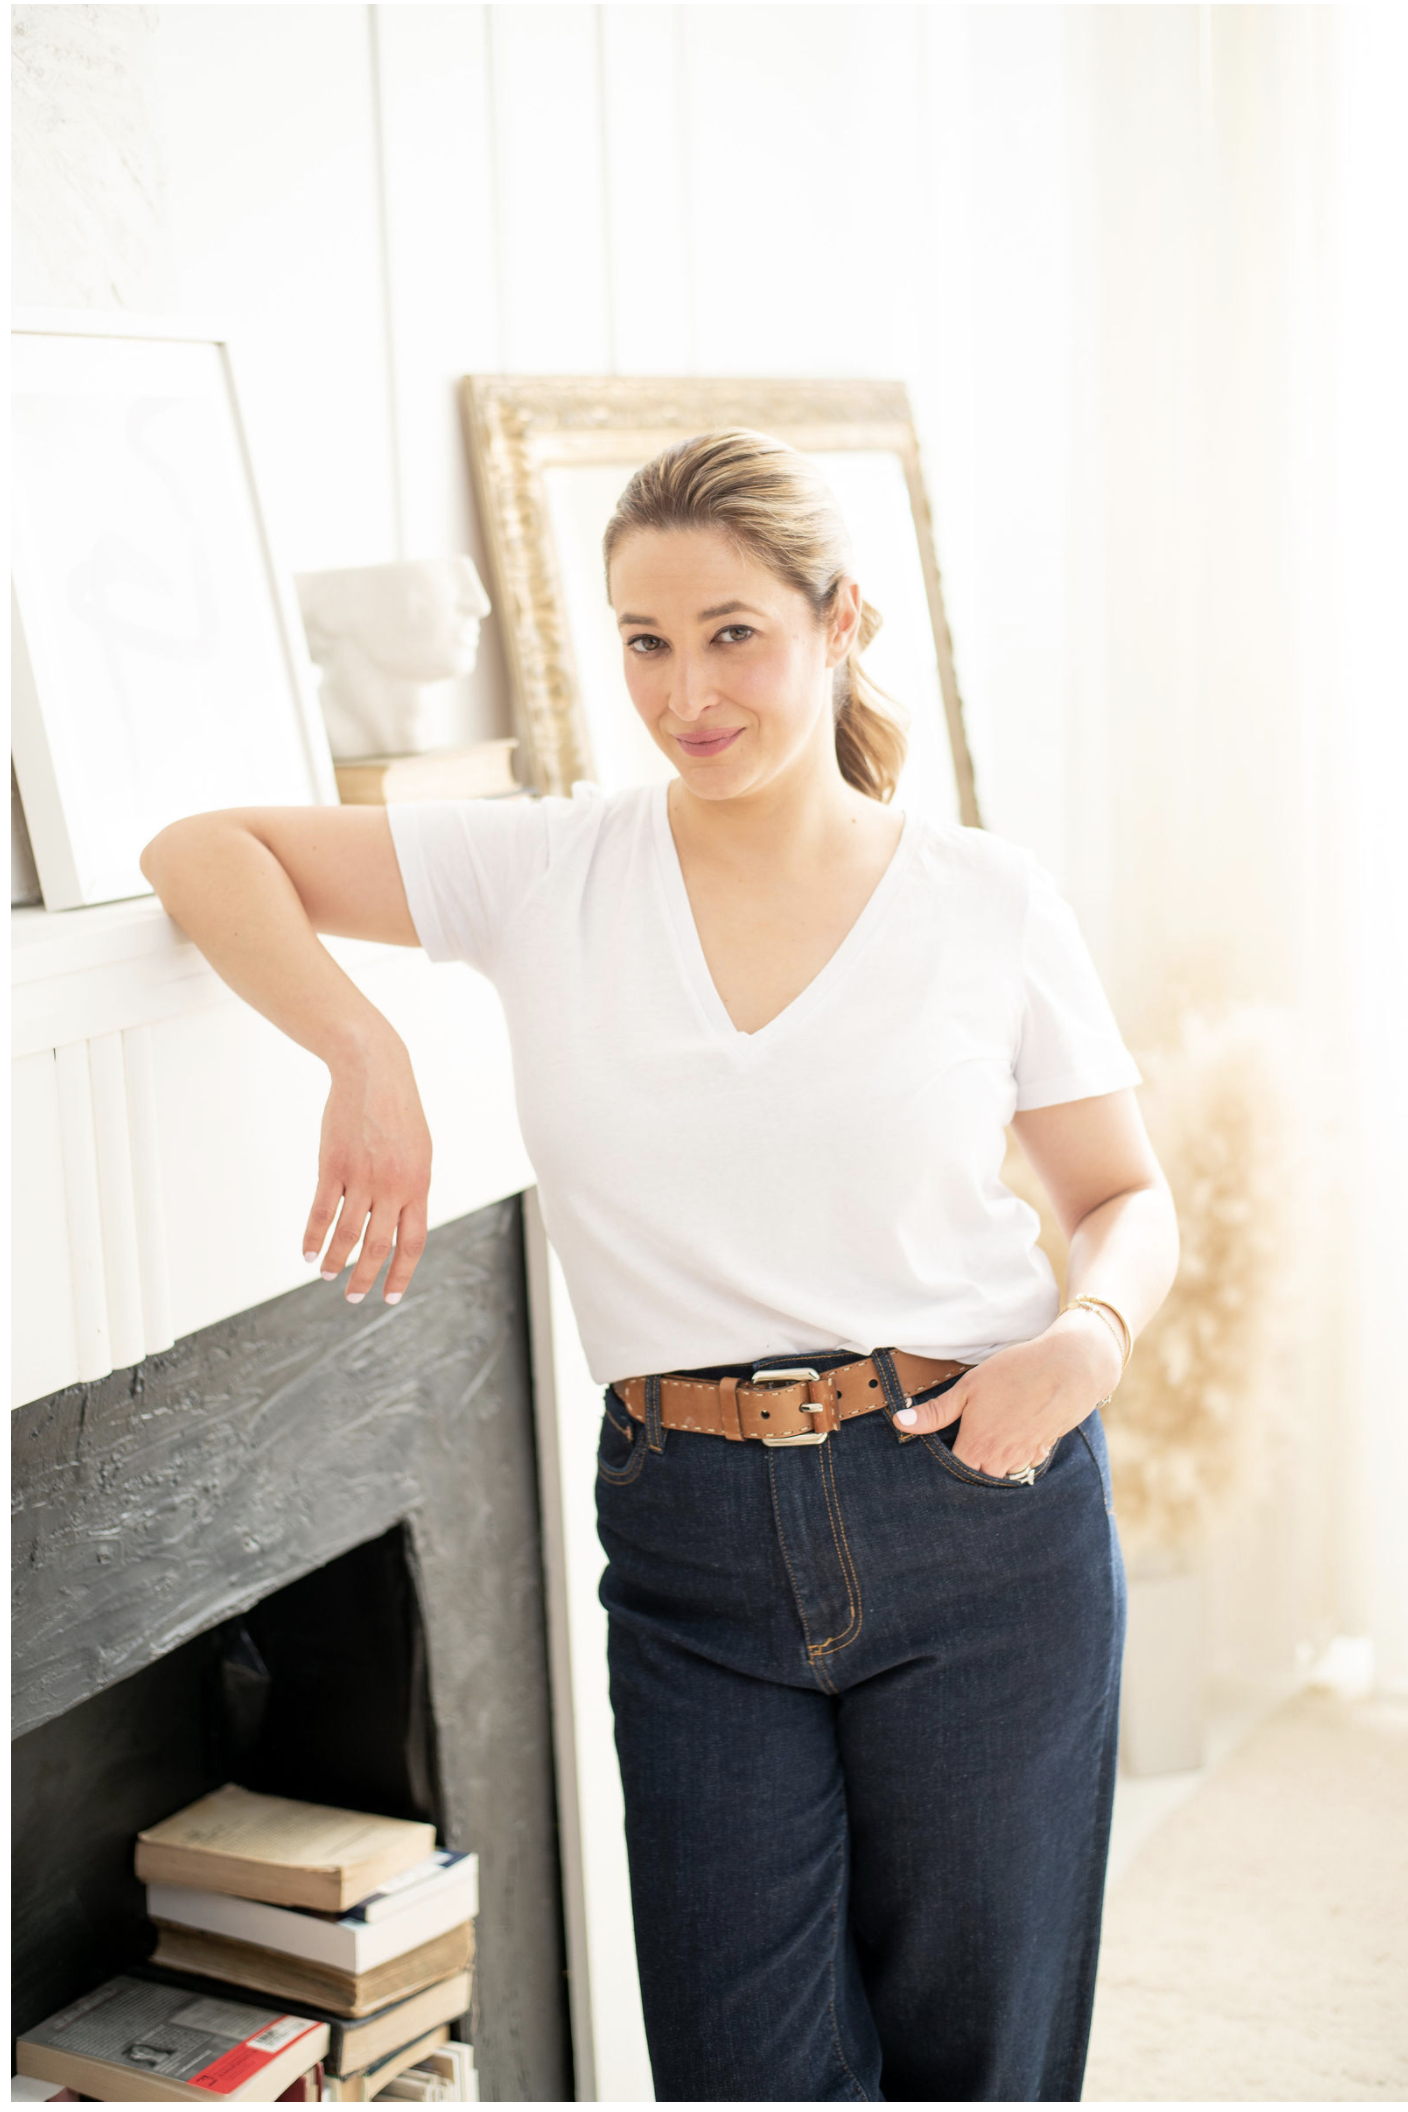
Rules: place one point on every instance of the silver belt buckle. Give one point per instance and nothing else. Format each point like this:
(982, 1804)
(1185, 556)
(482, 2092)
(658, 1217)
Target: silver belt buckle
(789, 1375)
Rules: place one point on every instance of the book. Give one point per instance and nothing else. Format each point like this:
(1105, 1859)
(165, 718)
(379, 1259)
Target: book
(353, 2043)
(383, 1927)
(274, 1849)
(132, 2040)
(299, 1980)
(445, 1866)
(368, 2083)
(484, 771)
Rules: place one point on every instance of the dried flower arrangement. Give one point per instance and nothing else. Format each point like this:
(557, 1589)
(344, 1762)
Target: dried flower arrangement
(1184, 1424)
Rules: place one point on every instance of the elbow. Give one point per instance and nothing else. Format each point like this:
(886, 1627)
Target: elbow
(155, 861)
(172, 851)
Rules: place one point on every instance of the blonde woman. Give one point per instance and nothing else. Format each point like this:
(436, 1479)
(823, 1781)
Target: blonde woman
(865, 1597)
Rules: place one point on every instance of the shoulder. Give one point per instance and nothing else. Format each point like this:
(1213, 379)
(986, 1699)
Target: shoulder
(974, 864)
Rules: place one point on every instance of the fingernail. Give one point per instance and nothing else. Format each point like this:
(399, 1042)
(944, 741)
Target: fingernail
(355, 1297)
(907, 1416)
(310, 1258)
(330, 1275)
(391, 1297)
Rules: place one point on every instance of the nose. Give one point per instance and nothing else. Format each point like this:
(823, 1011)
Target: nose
(692, 692)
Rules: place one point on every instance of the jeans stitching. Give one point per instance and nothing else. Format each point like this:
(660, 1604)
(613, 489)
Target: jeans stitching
(625, 1428)
(620, 1477)
(956, 1468)
(818, 1671)
(843, 1555)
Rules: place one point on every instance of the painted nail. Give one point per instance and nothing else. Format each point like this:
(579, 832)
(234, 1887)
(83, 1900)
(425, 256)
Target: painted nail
(330, 1275)
(391, 1298)
(907, 1416)
(355, 1297)
(311, 1257)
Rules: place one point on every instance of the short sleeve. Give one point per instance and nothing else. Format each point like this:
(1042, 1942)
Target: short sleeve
(1070, 1046)
(467, 864)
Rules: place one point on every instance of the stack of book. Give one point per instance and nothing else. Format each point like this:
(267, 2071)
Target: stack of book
(303, 1952)
(356, 1921)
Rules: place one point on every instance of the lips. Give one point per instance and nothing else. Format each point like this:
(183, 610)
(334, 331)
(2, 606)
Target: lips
(708, 743)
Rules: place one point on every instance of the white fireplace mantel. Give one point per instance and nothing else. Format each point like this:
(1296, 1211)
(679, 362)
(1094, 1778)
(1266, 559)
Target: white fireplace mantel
(165, 1137)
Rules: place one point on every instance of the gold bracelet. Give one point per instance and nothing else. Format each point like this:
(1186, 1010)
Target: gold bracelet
(1103, 1305)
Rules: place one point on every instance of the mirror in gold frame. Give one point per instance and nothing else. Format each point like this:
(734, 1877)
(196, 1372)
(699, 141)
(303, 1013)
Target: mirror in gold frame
(550, 458)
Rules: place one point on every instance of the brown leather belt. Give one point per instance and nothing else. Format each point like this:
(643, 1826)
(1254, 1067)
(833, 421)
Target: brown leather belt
(794, 1404)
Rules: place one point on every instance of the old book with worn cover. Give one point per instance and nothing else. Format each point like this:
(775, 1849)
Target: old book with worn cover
(355, 2044)
(298, 1980)
(275, 1849)
(445, 1896)
(360, 2088)
(130, 2039)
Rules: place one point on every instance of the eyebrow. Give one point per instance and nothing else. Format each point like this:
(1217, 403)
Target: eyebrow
(725, 608)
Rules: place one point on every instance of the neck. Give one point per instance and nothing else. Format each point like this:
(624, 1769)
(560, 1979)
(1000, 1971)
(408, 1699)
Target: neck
(789, 821)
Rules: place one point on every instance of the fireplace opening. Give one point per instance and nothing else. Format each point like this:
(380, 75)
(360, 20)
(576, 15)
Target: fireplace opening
(320, 1692)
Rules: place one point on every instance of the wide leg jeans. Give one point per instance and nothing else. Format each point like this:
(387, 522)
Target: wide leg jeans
(865, 1707)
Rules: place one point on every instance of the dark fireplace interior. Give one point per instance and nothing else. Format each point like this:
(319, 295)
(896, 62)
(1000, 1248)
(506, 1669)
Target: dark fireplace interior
(318, 1692)
(300, 1550)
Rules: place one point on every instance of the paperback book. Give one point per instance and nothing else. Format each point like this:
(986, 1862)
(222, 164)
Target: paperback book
(437, 1895)
(132, 2039)
(280, 1851)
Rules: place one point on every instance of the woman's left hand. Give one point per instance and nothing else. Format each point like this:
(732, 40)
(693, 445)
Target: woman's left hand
(1017, 1403)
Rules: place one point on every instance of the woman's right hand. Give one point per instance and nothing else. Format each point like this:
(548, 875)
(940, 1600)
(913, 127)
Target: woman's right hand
(373, 1172)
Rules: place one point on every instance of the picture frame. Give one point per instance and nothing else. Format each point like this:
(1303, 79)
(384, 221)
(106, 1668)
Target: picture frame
(159, 666)
(548, 455)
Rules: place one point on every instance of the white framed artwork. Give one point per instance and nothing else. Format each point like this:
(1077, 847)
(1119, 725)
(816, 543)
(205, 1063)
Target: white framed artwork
(159, 668)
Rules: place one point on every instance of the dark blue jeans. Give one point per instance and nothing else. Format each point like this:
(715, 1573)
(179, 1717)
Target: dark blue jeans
(865, 1707)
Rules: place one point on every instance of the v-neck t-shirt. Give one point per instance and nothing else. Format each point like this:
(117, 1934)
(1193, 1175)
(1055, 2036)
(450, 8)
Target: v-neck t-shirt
(832, 1181)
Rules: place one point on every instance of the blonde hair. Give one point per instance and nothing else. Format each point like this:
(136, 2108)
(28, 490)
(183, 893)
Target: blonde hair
(775, 505)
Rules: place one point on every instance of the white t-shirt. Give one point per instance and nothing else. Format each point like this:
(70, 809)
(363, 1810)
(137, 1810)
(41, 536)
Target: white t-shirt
(832, 1181)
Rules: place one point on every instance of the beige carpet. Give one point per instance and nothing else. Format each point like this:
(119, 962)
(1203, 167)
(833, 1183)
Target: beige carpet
(1257, 1946)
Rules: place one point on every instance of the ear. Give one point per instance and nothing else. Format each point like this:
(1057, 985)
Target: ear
(845, 622)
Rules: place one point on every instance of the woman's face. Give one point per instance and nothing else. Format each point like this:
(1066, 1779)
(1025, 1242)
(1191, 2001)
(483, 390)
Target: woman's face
(726, 664)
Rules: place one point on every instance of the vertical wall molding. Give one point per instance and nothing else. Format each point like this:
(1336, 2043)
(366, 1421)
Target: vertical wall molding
(116, 1204)
(84, 1209)
(388, 287)
(149, 1209)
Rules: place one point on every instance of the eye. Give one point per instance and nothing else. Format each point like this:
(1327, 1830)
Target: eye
(734, 633)
(644, 643)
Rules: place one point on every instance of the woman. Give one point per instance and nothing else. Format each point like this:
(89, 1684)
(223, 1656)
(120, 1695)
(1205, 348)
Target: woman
(865, 1597)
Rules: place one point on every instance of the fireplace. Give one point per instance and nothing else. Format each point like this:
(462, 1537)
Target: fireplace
(301, 1550)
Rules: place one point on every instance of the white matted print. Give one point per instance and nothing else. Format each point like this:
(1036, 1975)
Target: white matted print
(158, 666)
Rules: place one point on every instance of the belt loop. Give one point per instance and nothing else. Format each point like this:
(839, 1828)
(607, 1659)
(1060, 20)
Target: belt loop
(895, 1396)
(730, 1421)
(654, 1428)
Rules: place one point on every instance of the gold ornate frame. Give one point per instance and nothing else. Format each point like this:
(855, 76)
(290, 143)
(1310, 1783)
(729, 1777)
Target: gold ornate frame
(517, 427)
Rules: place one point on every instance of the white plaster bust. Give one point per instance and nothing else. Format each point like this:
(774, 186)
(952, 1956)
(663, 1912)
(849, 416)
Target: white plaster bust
(381, 634)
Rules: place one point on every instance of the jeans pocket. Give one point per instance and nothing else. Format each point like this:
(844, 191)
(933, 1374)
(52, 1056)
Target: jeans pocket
(943, 1452)
(621, 1450)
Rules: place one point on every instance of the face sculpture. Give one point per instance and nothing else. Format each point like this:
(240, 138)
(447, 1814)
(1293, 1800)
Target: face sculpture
(380, 634)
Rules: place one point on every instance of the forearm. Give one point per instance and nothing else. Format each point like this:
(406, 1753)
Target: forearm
(1127, 1251)
(233, 898)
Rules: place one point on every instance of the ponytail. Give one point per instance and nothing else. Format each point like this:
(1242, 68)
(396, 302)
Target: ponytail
(870, 742)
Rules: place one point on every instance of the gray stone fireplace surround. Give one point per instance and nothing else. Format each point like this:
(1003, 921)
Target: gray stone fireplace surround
(158, 1505)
